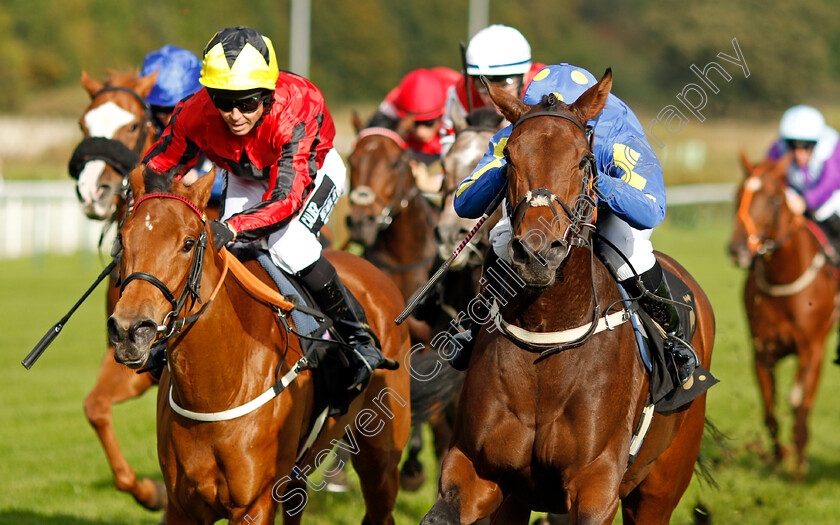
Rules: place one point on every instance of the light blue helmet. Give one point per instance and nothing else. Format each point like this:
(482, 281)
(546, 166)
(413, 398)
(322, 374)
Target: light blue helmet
(566, 81)
(178, 71)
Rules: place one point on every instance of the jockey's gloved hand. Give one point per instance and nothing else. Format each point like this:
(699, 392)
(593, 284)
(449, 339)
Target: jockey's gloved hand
(222, 233)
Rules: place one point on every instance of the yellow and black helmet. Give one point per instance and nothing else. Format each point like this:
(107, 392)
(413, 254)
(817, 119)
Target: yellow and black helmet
(237, 59)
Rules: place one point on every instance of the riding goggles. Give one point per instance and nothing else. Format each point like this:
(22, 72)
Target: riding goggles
(807, 145)
(247, 104)
(500, 81)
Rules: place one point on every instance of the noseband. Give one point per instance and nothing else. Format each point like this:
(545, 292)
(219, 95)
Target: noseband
(145, 123)
(759, 243)
(192, 290)
(583, 212)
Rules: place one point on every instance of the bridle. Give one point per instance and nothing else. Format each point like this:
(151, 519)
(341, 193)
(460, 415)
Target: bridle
(146, 122)
(172, 323)
(583, 212)
(366, 197)
(113, 152)
(761, 243)
(582, 215)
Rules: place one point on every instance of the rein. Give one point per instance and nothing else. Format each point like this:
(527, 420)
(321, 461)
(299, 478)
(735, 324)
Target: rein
(365, 196)
(582, 215)
(172, 324)
(761, 246)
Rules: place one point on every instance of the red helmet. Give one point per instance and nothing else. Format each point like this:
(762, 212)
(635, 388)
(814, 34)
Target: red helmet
(422, 96)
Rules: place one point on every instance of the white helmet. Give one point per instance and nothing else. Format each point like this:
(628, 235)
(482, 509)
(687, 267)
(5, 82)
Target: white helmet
(498, 50)
(802, 123)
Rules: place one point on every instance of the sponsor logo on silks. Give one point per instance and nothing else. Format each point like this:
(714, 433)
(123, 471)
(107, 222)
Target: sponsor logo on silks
(317, 210)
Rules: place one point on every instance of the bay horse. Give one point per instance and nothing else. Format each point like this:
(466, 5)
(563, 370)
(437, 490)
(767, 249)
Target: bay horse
(394, 223)
(790, 294)
(459, 285)
(223, 455)
(549, 427)
(118, 129)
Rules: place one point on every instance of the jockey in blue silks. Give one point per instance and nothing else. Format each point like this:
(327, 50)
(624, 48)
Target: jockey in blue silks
(631, 194)
(178, 71)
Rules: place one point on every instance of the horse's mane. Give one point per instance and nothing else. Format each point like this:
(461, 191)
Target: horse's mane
(551, 102)
(380, 120)
(157, 182)
(484, 118)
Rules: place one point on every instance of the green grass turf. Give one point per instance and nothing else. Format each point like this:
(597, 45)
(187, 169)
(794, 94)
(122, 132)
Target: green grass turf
(52, 468)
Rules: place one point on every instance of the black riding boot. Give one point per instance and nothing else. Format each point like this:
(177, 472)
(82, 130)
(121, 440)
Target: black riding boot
(665, 314)
(348, 317)
(831, 228)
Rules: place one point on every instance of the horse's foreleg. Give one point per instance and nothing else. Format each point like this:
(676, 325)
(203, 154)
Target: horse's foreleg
(592, 492)
(802, 399)
(411, 474)
(115, 384)
(767, 385)
(260, 512)
(464, 497)
(655, 498)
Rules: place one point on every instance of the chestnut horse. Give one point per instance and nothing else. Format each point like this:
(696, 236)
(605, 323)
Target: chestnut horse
(223, 454)
(116, 124)
(790, 293)
(552, 431)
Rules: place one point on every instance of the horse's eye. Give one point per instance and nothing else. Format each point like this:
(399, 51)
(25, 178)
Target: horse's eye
(134, 127)
(188, 245)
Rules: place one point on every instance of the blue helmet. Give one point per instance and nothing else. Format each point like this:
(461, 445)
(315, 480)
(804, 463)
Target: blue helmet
(178, 73)
(566, 81)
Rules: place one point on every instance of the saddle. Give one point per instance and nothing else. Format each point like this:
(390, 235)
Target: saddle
(331, 370)
(664, 391)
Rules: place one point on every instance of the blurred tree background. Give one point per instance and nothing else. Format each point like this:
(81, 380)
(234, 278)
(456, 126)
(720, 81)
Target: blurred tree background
(360, 49)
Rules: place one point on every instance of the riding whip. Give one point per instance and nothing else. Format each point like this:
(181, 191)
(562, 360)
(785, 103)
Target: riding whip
(419, 294)
(53, 332)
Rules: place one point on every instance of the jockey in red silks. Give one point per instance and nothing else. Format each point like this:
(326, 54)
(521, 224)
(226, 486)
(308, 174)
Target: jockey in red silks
(421, 96)
(178, 72)
(272, 135)
(503, 56)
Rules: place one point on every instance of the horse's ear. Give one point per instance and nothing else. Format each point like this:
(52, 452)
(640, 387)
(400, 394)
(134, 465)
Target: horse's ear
(510, 106)
(745, 163)
(459, 121)
(145, 84)
(137, 180)
(91, 85)
(199, 191)
(357, 122)
(593, 100)
(784, 162)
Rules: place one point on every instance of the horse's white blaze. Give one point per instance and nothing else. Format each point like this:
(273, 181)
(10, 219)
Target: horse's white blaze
(753, 184)
(105, 120)
(89, 181)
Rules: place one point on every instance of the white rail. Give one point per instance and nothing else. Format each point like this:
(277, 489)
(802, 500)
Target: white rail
(45, 217)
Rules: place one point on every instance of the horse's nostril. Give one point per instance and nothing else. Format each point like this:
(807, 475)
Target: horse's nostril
(518, 252)
(115, 333)
(143, 332)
